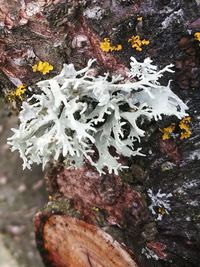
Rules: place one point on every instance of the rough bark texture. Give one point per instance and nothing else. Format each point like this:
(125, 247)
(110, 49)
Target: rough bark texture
(71, 31)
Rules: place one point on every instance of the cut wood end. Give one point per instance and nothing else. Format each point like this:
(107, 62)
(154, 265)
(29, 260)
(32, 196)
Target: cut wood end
(69, 242)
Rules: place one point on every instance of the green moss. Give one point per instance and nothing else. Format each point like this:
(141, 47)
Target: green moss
(100, 217)
(63, 206)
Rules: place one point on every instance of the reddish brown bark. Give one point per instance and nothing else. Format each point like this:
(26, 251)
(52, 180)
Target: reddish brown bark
(90, 191)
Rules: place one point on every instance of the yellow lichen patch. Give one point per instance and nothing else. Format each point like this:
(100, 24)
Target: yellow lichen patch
(167, 131)
(17, 94)
(184, 125)
(20, 90)
(161, 211)
(197, 36)
(95, 209)
(137, 43)
(43, 67)
(139, 18)
(106, 46)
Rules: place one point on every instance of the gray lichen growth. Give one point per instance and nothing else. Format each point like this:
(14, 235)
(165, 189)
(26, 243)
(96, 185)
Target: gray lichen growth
(78, 115)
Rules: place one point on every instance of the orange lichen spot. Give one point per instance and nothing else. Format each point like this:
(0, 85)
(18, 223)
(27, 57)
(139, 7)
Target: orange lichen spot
(137, 43)
(197, 36)
(18, 93)
(167, 131)
(43, 67)
(106, 46)
(185, 127)
(139, 18)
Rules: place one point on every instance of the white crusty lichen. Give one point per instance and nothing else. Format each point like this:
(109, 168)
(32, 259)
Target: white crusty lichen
(77, 115)
(160, 203)
(150, 254)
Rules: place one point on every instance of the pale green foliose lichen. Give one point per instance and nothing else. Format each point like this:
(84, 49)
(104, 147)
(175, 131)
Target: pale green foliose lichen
(77, 113)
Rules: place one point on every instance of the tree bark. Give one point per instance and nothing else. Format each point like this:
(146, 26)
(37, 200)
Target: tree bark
(105, 220)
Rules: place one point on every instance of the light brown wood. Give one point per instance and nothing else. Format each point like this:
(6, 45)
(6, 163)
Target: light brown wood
(73, 243)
